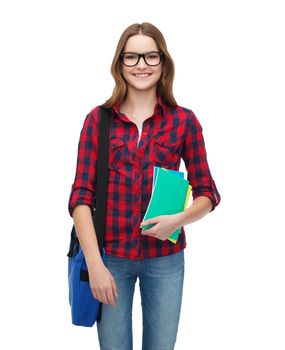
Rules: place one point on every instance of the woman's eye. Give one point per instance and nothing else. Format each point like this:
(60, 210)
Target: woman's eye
(152, 57)
(130, 57)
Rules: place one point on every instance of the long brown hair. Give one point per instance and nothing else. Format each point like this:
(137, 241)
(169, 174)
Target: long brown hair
(164, 85)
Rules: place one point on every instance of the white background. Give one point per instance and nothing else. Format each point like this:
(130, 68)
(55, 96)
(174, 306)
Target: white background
(55, 67)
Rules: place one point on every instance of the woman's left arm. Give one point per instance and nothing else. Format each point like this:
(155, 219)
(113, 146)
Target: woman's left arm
(205, 194)
(199, 175)
(164, 225)
(200, 207)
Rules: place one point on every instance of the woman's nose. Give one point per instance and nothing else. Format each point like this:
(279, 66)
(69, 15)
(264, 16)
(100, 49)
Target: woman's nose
(141, 63)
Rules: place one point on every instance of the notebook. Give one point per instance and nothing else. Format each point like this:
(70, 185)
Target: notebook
(170, 194)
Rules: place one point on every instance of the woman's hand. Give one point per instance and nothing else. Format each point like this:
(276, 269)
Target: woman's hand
(102, 284)
(164, 226)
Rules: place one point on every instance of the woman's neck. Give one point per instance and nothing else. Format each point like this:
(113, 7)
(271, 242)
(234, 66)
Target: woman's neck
(139, 104)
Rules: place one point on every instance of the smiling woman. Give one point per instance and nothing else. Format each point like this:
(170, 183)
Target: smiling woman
(148, 128)
(140, 39)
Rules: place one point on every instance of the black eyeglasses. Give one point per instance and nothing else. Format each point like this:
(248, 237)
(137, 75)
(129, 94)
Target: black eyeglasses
(152, 58)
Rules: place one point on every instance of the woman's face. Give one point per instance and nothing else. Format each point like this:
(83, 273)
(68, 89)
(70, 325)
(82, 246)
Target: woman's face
(149, 75)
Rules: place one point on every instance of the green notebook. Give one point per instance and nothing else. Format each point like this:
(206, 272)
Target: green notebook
(170, 195)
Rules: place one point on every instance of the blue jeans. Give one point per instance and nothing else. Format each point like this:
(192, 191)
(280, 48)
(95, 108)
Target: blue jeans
(161, 285)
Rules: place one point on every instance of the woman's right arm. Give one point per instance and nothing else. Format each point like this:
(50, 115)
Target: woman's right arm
(80, 207)
(101, 281)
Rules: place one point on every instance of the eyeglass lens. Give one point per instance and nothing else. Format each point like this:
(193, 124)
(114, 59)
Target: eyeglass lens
(151, 58)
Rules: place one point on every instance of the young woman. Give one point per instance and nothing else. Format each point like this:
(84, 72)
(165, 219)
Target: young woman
(148, 128)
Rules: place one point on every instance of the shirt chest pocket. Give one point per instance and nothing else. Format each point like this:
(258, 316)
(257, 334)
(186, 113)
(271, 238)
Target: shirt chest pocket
(166, 151)
(116, 152)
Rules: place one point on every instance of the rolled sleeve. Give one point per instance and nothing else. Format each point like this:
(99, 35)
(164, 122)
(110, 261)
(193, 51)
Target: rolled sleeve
(195, 158)
(84, 187)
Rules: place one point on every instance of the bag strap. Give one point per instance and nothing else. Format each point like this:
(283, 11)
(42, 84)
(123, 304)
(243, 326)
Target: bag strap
(100, 198)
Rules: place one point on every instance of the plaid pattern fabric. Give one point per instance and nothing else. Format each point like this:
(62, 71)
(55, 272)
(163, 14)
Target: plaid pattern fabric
(169, 135)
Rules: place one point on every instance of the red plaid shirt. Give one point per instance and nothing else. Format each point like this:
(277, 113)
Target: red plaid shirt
(170, 134)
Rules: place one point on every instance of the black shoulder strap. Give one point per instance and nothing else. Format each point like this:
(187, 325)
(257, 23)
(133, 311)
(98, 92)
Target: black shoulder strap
(102, 178)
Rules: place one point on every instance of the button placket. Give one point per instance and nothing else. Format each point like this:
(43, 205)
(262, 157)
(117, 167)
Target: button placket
(137, 194)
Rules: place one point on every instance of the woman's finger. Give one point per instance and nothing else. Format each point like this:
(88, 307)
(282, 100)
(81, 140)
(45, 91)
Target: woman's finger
(110, 297)
(114, 286)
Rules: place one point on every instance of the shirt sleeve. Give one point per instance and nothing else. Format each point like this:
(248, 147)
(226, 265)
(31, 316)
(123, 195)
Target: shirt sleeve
(195, 158)
(83, 187)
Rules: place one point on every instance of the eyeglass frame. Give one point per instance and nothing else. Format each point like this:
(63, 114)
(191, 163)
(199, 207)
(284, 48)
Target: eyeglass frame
(139, 57)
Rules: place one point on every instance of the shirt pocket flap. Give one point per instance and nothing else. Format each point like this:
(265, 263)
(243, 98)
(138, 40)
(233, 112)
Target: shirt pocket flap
(115, 143)
(166, 142)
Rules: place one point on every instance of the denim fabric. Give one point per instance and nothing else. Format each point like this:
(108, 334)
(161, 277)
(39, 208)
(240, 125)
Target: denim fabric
(161, 285)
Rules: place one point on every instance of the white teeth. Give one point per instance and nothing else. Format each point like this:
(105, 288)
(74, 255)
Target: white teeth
(141, 75)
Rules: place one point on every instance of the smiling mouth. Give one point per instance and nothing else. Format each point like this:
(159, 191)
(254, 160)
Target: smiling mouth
(142, 75)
